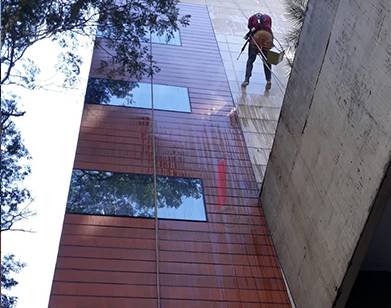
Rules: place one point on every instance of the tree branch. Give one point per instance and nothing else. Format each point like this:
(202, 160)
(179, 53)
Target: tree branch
(20, 230)
(6, 224)
(12, 63)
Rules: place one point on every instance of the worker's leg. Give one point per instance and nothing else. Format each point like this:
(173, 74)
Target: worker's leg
(268, 72)
(267, 67)
(252, 55)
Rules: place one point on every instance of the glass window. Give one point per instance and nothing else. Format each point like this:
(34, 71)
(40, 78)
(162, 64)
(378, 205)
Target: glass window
(123, 194)
(180, 198)
(175, 39)
(171, 98)
(164, 38)
(133, 94)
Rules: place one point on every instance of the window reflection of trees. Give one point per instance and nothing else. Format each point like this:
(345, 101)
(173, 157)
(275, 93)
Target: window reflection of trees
(172, 190)
(100, 90)
(110, 193)
(161, 36)
(122, 194)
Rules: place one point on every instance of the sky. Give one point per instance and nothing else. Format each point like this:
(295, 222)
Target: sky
(50, 130)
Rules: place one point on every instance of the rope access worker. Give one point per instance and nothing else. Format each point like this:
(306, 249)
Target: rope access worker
(260, 26)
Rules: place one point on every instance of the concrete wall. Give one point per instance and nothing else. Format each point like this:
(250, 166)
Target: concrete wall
(332, 145)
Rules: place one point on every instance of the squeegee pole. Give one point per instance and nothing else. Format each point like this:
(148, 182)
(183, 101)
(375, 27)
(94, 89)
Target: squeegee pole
(244, 46)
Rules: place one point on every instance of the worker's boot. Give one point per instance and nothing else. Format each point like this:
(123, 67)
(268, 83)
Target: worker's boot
(268, 85)
(245, 83)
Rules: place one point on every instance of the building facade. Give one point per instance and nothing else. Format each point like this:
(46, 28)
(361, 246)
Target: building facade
(210, 246)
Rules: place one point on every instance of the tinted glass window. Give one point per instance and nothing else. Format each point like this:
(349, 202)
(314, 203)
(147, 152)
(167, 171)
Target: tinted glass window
(174, 39)
(171, 98)
(133, 94)
(123, 194)
(163, 39)
(180, 198)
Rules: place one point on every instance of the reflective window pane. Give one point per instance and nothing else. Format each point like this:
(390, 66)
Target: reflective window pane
(110, 193)
(163, 39)
(139, 96)
(133, 94)
(174, 39)
(180, 198)
(113, 92)
(171, 98)
(123, 194)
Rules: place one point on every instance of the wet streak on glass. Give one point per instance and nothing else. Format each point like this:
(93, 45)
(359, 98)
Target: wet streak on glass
(137, 94)
(125, 194)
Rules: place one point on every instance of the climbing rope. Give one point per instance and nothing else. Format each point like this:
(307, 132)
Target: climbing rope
(155, 203)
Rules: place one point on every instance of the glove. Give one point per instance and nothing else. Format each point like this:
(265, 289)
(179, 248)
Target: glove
(250, 32)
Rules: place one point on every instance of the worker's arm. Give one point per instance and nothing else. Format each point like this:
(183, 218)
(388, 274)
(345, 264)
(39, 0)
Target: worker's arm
(250, 32)
(252, 26)
(249, 23)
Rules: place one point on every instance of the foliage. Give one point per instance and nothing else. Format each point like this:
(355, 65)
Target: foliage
(124, 24)
(295, 11)
(14, 168)
(112, 193)
(8, 266)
